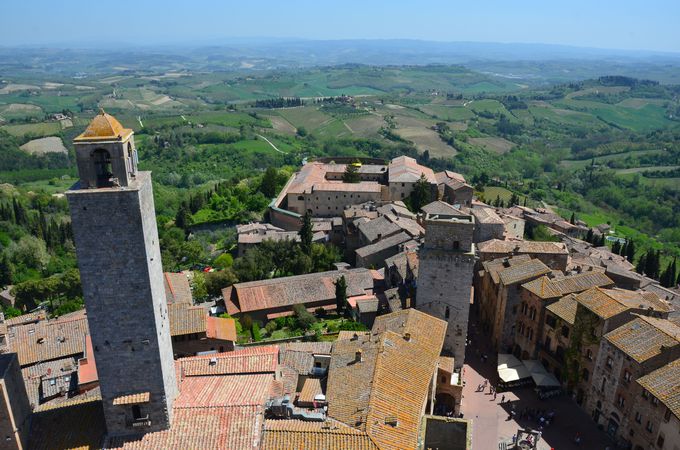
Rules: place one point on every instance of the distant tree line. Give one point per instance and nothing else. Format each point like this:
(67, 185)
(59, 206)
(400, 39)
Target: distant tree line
(280, 102)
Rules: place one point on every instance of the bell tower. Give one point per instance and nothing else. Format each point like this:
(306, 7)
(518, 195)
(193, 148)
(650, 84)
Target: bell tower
(114, 227)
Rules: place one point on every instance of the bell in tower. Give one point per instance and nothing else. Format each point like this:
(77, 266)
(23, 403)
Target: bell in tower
(106, 154)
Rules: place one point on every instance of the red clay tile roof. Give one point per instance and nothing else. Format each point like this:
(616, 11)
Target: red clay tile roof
(536, 247)
(220, 391)
(185, 319)
(46, 340)
(406, 169)
(565, 308)
(301, 435)
(607, 303)
(545, 287)
(250, 360)
(221, 328)
(645, 337)
(391, 380)
(232, 428)
(87, 366)
(522, 272)
(177, 288)
(289, 291)
(664, 384)
(310, 389)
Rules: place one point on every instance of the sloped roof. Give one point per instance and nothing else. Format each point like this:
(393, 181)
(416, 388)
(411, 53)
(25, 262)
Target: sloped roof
(177, 288)
(545, 287)
(46, 340)
(383, 244)
(228, 390)
(302, 435)
(310, 389)
(523, 271)
(607, 303)
(565, 308)
(486, 216)
(378, 228)
(509, 247)
(404, 169)
(496, 266)
(104, 127)
(289, 291)
(185, 319)
(398, 360)
(439, 207)
(664, 384)
(78, 425)
(644, 337)
(221, 328)
(262, 359)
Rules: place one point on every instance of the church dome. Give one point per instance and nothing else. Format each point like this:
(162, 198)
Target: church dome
(104, 127)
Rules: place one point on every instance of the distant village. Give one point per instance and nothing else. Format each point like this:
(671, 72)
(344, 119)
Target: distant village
(145, 366)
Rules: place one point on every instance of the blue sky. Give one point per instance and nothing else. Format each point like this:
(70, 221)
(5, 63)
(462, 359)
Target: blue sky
(622, 24)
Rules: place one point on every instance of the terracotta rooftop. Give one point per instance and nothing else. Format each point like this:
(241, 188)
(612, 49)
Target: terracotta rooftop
(310, 389)
(229, 390)
(496, 266)
(261, 359)
(545, 287)
(394, 365)
(301, 435)
(221, 328)
(448, 175)
(104, 127)
(177, 288)
(664, 384)
(439, 207)
(509, 247)
(79, 425)
(565, 308)
(522, 272)
(645, 337)
(185, 319)
(383, 244)
(46, 340)
(289, 291)
(486, 216)
(607, 303)
(405, 169)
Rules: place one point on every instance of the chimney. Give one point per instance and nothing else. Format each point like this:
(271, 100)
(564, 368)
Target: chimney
(407, 337)
(358, 356)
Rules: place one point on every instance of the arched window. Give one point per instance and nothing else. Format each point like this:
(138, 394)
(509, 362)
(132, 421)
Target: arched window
(102, 166)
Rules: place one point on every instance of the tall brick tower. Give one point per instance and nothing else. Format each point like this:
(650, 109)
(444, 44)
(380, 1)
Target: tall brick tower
(446, 262)
(114, 226)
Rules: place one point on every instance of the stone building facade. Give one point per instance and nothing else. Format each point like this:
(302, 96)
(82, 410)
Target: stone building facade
(446, 263)
(627, 354)
(116, 237)
(15, 411)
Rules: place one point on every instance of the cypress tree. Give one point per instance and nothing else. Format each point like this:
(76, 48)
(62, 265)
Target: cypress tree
(573, 219)
(306, 234)
(616, 247)
(589, 236)
(630, 250)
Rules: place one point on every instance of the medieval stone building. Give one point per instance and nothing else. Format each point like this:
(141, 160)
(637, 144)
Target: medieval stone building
(444, 289)
(114, 227)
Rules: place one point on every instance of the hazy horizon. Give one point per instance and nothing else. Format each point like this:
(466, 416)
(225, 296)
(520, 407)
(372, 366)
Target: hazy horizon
(622, 26)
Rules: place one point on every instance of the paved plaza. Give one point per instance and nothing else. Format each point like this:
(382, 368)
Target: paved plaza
(490, 424)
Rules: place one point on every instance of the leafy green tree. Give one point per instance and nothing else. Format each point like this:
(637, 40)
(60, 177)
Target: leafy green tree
(256, 332)
(271, 326)
(421, 194)
(630, 250)
(183, 218)
(198, 288)
(29, 251)
(306, 234)
(341, 293)
(224, 260)
(323, 256)
(269, 183)
(6, 270)
(218, 280)
(304, 318)
(351, 174)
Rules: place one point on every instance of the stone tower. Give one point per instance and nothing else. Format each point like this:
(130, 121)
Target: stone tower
(114, 226)
(446, 261)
